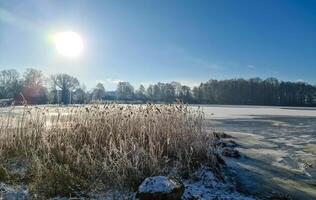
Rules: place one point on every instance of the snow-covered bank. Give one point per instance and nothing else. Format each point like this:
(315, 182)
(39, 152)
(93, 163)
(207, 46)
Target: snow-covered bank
(203, 185)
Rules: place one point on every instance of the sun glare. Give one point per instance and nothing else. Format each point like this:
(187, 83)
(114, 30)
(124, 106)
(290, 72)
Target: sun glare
(68, 44)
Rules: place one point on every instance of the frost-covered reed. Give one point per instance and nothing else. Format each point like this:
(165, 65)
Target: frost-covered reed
(97, 147)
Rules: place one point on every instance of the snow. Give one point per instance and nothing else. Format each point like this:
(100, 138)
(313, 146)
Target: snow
(207, 187)
(10, 192)
(233, 112)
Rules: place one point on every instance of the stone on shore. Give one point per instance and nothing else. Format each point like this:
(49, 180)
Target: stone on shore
(160, 188)
(230, 152)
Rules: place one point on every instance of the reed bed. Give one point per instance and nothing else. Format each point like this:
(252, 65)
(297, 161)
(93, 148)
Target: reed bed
(67, 151)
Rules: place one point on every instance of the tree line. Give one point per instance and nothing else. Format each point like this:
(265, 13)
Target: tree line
(32, 87)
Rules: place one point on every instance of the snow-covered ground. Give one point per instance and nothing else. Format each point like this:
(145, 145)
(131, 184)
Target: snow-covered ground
(278, 145)
(236, 111)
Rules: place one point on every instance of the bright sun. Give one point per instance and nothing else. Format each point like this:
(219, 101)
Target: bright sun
(68, 44)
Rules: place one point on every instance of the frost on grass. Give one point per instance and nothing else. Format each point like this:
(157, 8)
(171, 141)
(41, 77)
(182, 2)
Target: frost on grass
(97, 148)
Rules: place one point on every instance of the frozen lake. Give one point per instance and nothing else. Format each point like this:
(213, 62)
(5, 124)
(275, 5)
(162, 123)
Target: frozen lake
(278, 145)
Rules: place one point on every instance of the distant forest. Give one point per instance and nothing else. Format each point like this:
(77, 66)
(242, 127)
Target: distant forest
(32, 87)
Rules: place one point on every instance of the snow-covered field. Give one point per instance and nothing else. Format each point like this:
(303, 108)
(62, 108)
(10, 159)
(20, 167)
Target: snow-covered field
(278, 145)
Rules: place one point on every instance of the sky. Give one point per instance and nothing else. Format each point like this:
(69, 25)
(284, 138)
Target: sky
(148, 41)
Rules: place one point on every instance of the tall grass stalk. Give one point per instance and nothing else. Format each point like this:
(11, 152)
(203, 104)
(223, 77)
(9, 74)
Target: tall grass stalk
(98, 147)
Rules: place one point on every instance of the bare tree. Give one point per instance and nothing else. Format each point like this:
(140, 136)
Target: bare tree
(125, 91)
(66, 84)
(10, 84)
(33, 77)
(141, 93)
(33, 89)
(98, 92)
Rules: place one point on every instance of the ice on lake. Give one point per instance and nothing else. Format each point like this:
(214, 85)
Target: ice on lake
(278, 145)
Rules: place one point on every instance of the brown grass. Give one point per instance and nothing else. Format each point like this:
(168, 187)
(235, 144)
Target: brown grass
(98, 147)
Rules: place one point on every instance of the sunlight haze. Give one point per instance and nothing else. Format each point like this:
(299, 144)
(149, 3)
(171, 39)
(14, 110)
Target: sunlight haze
(68, 44)
(151, 41)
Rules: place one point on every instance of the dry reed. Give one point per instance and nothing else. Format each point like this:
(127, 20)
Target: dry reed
(67, 150)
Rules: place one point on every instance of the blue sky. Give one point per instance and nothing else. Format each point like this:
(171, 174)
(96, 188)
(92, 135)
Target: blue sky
(150, 41)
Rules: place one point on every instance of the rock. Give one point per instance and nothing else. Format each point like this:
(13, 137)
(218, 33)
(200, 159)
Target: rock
(230, 152)
(231, 143)
(220, 135)
(226, 143)
(221, 143)
(277, 196)
(160, 188)
(220, 160)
